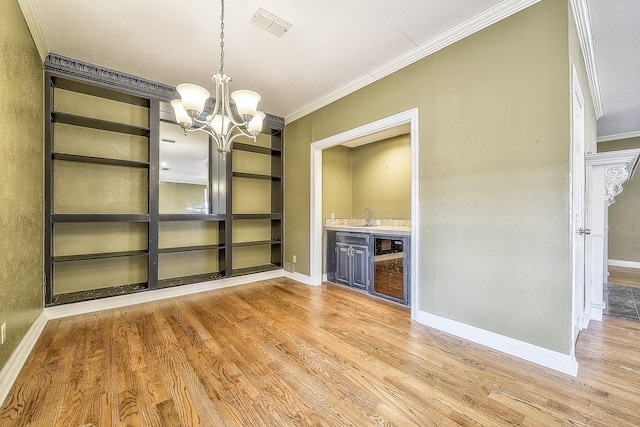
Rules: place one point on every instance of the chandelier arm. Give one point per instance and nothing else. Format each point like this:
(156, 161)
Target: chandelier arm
(204, 129)
(243, 132)
(216, 105)
(202, 122)
(233, 120)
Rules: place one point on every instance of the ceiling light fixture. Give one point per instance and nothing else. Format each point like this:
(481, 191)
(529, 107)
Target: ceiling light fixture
(224, 125)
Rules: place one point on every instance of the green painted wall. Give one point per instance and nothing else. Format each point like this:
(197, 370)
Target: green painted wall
(337, 182)
(21, 175)
(382, 178)
(494, 174)
(375, 176)
(624, 214)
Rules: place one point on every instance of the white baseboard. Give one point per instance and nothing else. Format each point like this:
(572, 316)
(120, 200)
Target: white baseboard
(542, 356)
(15, 363)
(619, 263)
(159, 294)
(325, 277)
(596, 312)
(298, 277)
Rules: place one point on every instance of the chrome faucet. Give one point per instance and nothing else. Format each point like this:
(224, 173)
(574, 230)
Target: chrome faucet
(367, 222)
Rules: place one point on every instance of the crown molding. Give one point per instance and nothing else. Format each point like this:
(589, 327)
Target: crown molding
(618, 136)
(583, 23)
(460, 31)
(107, 77)
(30, 16)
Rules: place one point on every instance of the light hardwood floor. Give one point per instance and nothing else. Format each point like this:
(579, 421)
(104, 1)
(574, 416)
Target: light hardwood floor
(277, 353)
(624, 276)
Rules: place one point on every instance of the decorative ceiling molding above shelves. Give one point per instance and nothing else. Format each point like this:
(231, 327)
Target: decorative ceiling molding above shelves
(126, 82)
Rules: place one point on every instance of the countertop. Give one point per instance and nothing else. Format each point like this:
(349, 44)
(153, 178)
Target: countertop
(385, 230)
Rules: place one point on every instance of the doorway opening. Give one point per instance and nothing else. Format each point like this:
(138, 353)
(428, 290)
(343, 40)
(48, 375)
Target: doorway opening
(371, 131)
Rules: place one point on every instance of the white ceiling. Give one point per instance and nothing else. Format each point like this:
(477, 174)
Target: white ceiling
(616, 38)
(332, 44)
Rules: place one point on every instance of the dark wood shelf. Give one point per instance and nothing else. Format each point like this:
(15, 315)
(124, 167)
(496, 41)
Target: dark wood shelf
(99, 160)
(89, 122)
(100, 92)
(189, 280)
(99, 217)
(92, 294)
(256, 243)
(256, 149)
(101, 255)
(191, 217)
(189, 248)
(255, 269)
(255, 176)
(272, 216)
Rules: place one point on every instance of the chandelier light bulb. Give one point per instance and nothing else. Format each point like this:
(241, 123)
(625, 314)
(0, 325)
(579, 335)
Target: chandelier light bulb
(255, 125)
(194, 98)
(246, 102)
(182, 117)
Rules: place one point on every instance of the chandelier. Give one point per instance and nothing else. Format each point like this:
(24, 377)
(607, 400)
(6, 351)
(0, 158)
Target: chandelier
(224, 124)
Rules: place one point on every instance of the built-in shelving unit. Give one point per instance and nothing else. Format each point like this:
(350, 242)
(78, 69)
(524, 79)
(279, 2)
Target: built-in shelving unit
(81, 261)
(265, 252)
(106, 231)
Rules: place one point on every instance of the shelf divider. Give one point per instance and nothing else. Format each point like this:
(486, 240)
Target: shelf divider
(189, 248)
(257, 243)
(100, 255)
(272, 216)
(255, 269)
(89, 122)
(191, 217)
(99, 160)
(91, 217)
(255, 176)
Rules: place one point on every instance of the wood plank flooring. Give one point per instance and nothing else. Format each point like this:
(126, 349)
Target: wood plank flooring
(277, 353)
(624, 276)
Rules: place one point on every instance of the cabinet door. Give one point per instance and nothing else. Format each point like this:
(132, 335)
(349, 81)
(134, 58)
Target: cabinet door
(360, 266)
(343, 263)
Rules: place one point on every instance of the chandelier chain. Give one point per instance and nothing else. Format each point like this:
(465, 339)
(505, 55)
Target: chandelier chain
(222, 39)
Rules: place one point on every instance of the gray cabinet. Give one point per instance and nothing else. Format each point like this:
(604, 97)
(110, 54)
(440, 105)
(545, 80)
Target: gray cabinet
(353, 259)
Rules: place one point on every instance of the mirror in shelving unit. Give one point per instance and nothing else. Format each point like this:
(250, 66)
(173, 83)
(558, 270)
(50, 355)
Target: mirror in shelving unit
(190, 182)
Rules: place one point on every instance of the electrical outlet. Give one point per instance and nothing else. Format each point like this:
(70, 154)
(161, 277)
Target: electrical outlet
(294, 259)
(333, 215)
(3, 333)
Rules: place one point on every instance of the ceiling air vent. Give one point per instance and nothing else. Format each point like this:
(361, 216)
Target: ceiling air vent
(270, 22)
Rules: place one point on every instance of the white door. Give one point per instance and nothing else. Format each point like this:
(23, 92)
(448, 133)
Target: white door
(580, 293)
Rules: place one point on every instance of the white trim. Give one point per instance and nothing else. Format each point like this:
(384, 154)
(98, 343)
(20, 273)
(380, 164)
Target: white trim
(460, 31)
(620, 263)
(315, 248)
(15, 363)
(597, 310)
(31, 17)
(155, 295)
(298, 277)
(583, 24)
(618, 136)
(561, 362)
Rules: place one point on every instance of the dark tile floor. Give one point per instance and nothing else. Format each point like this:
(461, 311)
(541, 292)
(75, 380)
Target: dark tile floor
(623, 301)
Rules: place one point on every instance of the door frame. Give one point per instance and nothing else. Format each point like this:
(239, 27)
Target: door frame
(316, 227)
(580, 301)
